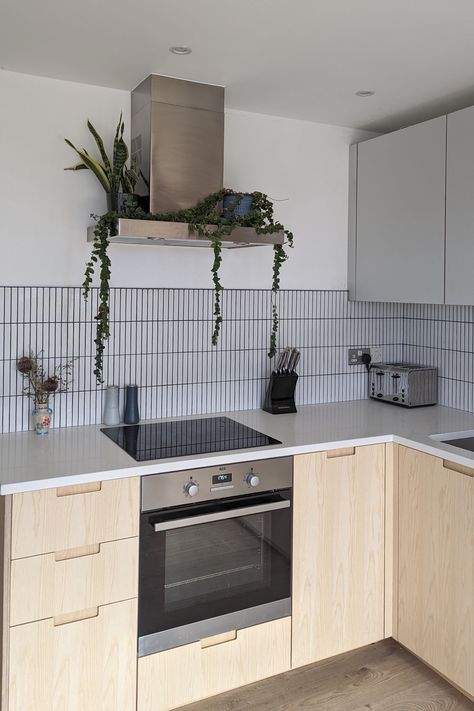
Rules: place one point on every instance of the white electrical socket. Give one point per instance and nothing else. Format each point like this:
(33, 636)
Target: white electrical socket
(355, 355)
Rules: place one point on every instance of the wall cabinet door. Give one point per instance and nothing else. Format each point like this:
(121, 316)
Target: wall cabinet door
(338, 569)
(400, 216)
(436, 565)
(84, 665)
(460, 207)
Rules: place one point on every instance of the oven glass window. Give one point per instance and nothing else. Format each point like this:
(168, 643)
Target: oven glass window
(202, 571)
(216, 559)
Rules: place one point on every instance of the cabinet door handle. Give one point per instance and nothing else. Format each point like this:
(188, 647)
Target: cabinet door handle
(344, 452)
(70, 617)
(89, 488)
(71, 553)
(459, 468)
(218, 639)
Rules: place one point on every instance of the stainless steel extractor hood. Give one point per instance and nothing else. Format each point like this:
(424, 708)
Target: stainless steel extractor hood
(177, 130)
(177, 136)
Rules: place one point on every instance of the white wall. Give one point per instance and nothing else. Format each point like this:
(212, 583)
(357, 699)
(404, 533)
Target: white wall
(45, 211)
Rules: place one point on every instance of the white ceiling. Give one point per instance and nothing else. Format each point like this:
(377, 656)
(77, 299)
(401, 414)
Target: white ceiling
(296, 58)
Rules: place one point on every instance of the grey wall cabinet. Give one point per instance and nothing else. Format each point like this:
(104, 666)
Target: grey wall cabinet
(397, 215)
(460, 208)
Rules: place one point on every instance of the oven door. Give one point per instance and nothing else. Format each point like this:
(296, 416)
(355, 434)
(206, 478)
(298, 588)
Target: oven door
(213, 567)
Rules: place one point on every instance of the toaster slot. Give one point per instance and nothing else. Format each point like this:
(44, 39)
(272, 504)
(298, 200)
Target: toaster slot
(395, 394)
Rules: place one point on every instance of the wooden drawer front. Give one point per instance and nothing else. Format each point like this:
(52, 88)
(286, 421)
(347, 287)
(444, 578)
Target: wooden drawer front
(51, 520)
(82, 666)
(196, 671)
(55, 584)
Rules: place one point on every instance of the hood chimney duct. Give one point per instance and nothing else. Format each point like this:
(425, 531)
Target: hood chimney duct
(177, 130)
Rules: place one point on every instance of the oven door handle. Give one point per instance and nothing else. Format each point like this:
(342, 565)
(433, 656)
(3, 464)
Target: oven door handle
(220, 516)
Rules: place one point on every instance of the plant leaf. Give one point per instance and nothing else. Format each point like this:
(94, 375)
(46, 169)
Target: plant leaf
(120, 158)
(79, 166)
(130, 176)
(100, 145)
(93, 165)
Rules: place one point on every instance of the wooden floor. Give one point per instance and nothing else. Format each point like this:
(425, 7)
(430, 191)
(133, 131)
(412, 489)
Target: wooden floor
(380, 677)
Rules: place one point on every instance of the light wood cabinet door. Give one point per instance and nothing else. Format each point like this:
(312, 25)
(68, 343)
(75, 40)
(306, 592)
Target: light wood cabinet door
(196, 671)
(338, 552)
(436, 565)
(53, 520)
(87, 665)
(56, 584)
(400, 216)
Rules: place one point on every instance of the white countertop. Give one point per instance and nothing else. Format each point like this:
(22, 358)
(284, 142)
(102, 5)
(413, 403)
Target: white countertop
(76, 455)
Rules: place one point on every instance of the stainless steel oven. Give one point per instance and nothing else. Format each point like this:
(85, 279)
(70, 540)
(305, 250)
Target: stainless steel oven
(215, 551)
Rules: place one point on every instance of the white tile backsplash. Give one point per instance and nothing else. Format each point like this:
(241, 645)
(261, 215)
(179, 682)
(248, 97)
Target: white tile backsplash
(160, 339)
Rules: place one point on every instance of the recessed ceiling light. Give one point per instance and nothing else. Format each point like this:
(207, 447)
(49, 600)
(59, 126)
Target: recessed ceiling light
(364, 93)
(180, 50)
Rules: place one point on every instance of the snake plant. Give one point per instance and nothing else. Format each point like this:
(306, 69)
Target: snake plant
(114, 175)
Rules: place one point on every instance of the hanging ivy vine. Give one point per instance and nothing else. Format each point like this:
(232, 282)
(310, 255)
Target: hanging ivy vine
(207, 212)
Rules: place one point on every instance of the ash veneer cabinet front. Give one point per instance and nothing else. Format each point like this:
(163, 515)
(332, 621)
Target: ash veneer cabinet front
(70, 598)
(179, 676)
(80, 665)
(436, 564)
(56, 584)
(52, 520)
(338, 552)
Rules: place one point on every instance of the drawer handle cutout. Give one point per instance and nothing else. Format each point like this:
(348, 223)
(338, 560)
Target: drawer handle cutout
(70, 617)
(82, 552)
(344, 452)
(219, 639)
(459, 468)
(75, 489)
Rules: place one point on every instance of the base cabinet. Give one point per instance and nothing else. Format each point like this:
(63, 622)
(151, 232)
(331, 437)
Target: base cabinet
(70, 578)
(196, 671)
(338, 552)
(83, 665)
(436, 564)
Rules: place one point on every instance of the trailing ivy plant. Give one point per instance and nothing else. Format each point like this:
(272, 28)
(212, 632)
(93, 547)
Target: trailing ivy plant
(207, 212)
(99, 256)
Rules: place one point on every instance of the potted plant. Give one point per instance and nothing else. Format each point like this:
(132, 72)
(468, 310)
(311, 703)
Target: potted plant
(237, 205)
(116, 177)
(40, 387)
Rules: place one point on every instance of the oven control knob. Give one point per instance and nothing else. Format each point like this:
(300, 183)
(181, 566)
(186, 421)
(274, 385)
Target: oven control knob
(191, 488)
(252, 479)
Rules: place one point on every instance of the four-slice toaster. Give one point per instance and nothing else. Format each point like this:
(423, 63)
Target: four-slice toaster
(403, 384)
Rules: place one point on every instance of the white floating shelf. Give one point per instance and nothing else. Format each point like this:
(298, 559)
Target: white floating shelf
(176, 234)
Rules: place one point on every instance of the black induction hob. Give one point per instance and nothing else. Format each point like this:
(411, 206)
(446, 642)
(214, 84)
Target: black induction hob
(182, 438)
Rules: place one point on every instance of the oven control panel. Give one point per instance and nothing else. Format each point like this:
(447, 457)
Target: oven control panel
(175, 488)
